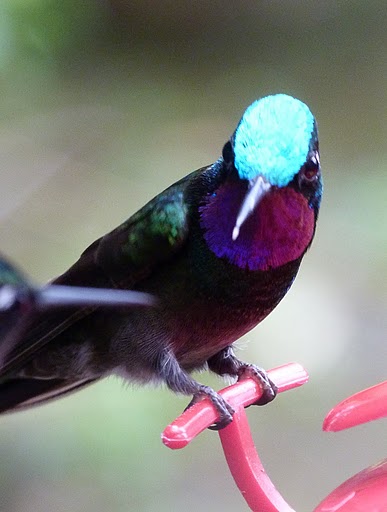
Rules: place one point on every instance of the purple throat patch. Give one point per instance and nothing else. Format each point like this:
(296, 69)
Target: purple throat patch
(278, 231)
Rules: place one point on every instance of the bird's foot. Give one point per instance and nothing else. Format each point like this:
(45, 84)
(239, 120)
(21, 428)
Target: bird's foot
(224, 409)
(180, 382)
(259, 374)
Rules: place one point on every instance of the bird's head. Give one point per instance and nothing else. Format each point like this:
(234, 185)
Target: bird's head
(275, 145)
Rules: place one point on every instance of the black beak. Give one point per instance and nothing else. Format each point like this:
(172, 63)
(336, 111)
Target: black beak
(258, 187)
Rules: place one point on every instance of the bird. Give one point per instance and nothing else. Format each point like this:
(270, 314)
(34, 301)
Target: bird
(19, 299)
(219, 249)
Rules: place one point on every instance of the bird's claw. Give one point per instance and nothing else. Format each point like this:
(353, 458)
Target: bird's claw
(268, 387)
(224, 409)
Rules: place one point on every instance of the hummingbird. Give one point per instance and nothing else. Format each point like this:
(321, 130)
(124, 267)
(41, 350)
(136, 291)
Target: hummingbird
(219, 249)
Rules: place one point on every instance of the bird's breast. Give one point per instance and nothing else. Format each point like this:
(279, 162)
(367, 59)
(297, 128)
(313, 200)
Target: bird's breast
(209, 305)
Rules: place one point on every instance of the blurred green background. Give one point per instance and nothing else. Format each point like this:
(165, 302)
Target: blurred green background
(104, 104)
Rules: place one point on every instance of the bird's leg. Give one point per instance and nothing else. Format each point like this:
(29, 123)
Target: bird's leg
(226, 363)
(169, 369)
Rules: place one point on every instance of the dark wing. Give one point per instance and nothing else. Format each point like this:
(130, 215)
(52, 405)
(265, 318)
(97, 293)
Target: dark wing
(21, 394)
(120, 259)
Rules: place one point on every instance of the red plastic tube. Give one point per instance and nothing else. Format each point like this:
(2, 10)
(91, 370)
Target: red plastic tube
(367, 405)
(238, 446)
(366, 491)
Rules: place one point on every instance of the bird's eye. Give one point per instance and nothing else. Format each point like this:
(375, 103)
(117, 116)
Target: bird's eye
(228, 153)
(311, 169)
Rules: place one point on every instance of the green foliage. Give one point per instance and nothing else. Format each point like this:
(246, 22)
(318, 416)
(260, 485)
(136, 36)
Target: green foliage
(46, 32)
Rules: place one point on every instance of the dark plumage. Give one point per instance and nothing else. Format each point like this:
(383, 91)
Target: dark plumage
(219, 249)
(19, 300)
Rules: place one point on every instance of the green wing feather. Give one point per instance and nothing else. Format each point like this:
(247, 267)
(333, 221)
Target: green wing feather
(10, 275)
(152, 235)
(121, 258)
